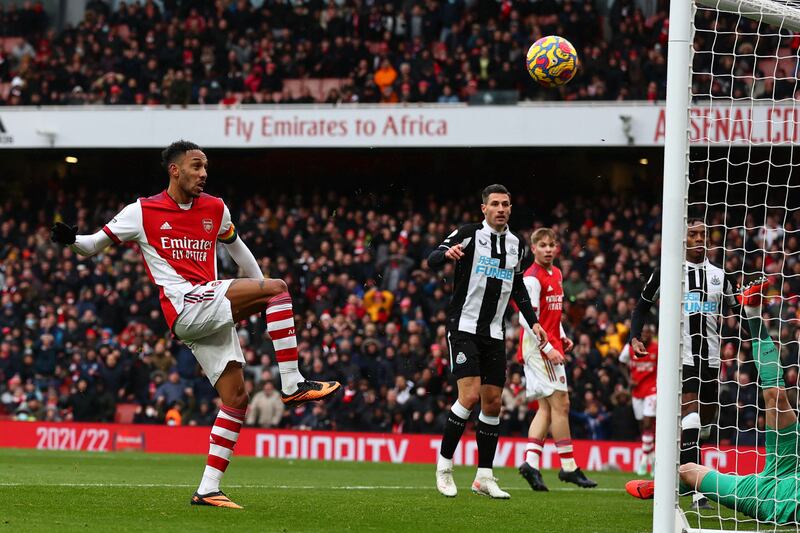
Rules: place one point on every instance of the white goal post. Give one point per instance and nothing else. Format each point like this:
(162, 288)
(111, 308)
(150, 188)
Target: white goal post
(783, 17)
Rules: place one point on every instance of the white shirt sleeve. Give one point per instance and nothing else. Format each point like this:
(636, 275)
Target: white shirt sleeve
(90, 244)
(243, 257)
(127, 225)
(534, 288)
(625, 354)
(563, 333)
(227, 231)
(534, 291)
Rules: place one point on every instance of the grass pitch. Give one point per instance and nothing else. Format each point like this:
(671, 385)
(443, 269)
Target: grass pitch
(74, 491)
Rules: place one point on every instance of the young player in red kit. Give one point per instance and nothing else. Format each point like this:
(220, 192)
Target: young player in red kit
(643, 382)
(176, 231)
(545, 377)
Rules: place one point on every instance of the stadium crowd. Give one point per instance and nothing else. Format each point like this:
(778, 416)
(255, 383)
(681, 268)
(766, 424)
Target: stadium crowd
(230, 52)
(78, 336)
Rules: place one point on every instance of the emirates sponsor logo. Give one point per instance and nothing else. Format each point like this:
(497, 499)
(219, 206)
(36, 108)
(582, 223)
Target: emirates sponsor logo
(185, 248)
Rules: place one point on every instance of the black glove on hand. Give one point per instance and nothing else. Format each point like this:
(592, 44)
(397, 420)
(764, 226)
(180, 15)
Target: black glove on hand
(63, 234)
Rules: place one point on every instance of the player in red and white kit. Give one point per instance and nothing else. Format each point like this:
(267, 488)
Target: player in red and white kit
(177, 231)
(545, 377)
(643, 382)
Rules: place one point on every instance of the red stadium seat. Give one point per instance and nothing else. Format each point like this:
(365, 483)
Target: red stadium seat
(8, 43)
(125, 413)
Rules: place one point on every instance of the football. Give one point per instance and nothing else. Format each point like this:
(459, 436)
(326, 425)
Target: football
(552, 61)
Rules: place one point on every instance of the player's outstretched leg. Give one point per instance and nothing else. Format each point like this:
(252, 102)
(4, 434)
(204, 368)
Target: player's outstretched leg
(250, 296)
(224, 435)
(294, 389)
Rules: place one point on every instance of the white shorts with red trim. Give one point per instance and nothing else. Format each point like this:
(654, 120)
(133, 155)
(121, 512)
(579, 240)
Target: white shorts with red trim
(206, 326)
(543, 378)
(644, 407)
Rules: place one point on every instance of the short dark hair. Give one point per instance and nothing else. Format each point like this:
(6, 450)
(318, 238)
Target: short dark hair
(694, 221)
(175, 150)
(494, 188)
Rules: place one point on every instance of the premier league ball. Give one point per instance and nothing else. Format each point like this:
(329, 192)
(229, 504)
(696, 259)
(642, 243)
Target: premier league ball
(552, 61)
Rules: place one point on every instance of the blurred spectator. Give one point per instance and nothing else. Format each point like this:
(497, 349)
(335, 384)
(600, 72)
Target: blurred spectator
(266, 407)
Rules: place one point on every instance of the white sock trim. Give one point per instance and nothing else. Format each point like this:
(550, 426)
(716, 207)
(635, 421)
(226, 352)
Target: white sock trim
(483, 473)
(691, 421)
(491, 420)
(460, 411)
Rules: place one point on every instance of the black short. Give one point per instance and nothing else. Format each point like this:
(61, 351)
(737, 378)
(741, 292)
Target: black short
(476, 355)
(701, 379)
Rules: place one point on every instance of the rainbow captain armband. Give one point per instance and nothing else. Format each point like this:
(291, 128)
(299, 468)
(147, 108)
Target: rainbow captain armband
(229, 236)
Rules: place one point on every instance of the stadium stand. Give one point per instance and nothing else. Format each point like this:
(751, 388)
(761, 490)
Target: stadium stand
(226, 53)
(83, 339)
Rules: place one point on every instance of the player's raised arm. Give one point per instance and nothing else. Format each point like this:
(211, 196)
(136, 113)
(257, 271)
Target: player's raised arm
(236, 247)
(452, 246)
(126, 226)
(646, 300)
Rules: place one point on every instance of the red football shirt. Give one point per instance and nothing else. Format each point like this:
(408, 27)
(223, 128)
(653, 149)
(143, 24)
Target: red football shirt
(643, 372)
(178, 242)
(547, 299)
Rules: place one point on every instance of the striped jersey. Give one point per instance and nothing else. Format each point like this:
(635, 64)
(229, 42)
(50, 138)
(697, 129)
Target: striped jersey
(484, 278)
(706, 290)
(177, 242)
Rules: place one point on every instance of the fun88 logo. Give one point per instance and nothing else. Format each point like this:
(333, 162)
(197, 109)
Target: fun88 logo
(693, 304)
(490, 267)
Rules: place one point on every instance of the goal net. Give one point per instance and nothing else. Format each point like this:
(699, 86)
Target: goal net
(744, 184)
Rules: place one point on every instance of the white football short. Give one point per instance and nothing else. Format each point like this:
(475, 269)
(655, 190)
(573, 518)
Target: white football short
(206, 326)
(543, 378)
(644, 407)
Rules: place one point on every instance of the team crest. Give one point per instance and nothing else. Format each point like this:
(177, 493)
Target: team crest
(562, 379)
(208, 225)
(512, 250)
(461, 358)
(715, 280)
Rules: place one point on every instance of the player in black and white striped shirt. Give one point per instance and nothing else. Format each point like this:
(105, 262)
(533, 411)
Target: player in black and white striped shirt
(490, 261)
(709, 296)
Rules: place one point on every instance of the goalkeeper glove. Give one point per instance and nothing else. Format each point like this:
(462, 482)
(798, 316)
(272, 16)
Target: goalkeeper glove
(63, 234)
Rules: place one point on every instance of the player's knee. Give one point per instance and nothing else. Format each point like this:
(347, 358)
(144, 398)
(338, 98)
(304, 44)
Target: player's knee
(279, 286)
(469, 398)
(561, 404)
(491, 407)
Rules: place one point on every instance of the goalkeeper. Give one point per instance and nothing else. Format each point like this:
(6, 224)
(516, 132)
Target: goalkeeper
(771, 495)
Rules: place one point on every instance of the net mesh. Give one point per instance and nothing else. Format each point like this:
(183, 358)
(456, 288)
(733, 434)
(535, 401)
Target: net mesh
(744, 184)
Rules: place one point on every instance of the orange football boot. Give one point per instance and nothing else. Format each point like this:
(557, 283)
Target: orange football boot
(641, 488)
(214, 499)
(310, 391)
(752, 293)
